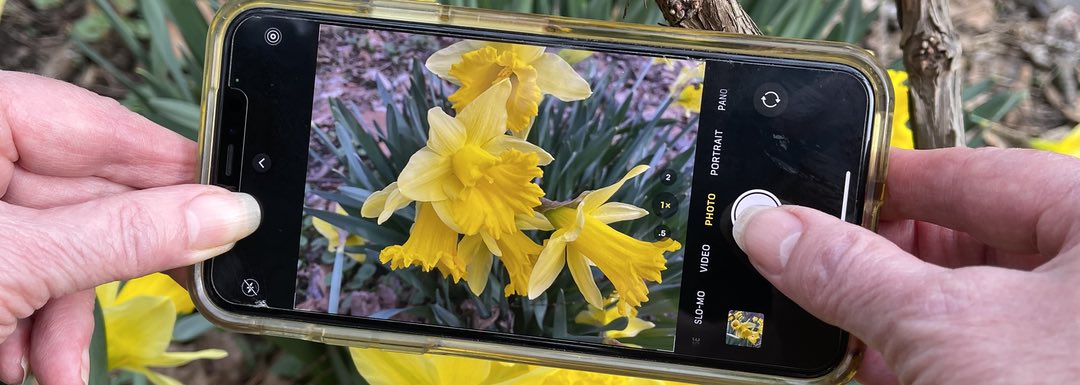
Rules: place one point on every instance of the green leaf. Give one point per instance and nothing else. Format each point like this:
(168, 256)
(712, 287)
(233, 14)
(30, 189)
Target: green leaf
(190, 327)
(192, 26)
(122, 28)
(99, 353)
(186, 114)
(558, 328)
(162, 46)
(445, 317)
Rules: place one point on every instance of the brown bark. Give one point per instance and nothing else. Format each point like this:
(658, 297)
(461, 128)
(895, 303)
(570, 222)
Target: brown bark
(932, 58)
(713, 15)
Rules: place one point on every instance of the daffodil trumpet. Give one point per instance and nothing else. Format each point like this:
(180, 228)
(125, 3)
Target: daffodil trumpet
(583, 237)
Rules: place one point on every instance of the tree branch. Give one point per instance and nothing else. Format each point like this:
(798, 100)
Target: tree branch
(712, 15)
(932, 58)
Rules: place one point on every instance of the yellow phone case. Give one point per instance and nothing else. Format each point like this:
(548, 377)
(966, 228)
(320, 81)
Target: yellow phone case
(428, 13)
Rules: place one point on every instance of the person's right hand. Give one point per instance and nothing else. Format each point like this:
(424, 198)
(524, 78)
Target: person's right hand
(90, 193)
(980, 283)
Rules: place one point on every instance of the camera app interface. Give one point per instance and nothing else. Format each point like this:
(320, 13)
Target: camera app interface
(563, 193)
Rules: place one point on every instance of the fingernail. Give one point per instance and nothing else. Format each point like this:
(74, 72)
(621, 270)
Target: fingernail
(86, 367)
(215, 220)
(767, 235)
(25, 369)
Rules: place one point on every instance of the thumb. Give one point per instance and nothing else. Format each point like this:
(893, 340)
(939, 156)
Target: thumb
(132, 234)
(842, 273)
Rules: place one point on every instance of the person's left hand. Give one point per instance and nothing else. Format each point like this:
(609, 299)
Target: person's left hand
(90, 193)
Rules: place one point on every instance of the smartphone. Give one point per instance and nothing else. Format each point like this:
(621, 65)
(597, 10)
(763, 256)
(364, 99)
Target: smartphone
(533, 189)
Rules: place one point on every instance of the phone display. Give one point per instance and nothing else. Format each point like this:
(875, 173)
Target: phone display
(528, 191)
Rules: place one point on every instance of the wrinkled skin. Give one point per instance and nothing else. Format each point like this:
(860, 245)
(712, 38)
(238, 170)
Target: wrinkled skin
(90, 193)
(972, 280)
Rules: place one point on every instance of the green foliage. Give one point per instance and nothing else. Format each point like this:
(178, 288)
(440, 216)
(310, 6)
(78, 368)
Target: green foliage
(99, 357)
(633, 11)
(836, 20)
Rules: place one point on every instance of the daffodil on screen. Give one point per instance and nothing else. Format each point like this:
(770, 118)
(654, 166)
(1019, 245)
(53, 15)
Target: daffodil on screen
(583, 236)
(604, 316)
(470, 179)
(334, 236)
(477, 66)
(687, 87)
(139, 319)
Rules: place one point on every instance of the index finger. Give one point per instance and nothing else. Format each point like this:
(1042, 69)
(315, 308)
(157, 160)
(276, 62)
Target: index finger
(1016, 200)
(54, 128)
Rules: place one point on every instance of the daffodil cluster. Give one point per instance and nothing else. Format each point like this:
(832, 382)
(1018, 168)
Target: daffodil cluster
(744, 329)
(476, 192)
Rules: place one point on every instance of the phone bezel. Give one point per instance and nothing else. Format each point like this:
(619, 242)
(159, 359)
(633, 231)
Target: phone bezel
(209, 297)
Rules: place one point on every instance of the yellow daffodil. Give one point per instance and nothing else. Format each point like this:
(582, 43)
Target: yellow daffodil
(388, 368)
(477, 179)
(518, 255)
(333, 235)
(139, 320)
(477, 66)
(603, 316)
(574, 56)
(687, 87)
(741, 328)
(431, 244)
(901, 133)
(582, 235)
(1069, 145)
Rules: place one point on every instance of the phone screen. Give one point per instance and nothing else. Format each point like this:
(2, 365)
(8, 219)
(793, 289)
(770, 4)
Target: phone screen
(531, 191)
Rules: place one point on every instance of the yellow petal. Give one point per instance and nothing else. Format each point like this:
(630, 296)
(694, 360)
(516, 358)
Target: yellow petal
(690, 98)
(549, 265)
(106, 293)
(431, 244)
(446, 135)
(556, 77)
(594, 199)
(426, 176)
(478, 262)
(477, 72)
(503, 143)
(485, 118)
(519, 254)
(383, 203)
(174, 359)
(583, 277)
(612, 212)
(158, 378)
(491, 243)
(138, 330)
(524, 102)
(625, 261)
(524, 52)
(902, 136)
(574, 56)
(157, 284)
(388, 368)
(634, 326)
(592, 315)
(441, 61)
(536, 221)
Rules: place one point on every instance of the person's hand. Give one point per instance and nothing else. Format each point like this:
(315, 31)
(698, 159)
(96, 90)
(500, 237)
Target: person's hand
(83, 201)
(978, 285)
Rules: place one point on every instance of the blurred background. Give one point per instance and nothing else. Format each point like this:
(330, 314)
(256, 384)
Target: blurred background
(1021, 62)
